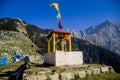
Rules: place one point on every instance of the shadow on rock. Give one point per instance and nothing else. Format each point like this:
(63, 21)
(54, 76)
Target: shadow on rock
(44, 65)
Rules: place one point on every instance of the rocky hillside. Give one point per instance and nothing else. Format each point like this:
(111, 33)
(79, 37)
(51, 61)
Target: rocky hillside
(38, 36)
(106, 35)
(12, 41)
(16, 34)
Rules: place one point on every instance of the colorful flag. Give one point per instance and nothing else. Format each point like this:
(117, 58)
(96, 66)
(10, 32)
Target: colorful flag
(57, 8)
(55, 5)
(58, 16)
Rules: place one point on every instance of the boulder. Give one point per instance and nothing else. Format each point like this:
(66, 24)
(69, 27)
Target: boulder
(36, 77)
(67, 75)
(96, 70)
(81, 74)
(104, 69)
(54, 76)
(89, 72)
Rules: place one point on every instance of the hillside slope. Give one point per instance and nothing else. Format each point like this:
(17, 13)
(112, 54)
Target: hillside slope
(13, 37)
(38, 36)
(12, 41)
(96, 54)
(35, 35)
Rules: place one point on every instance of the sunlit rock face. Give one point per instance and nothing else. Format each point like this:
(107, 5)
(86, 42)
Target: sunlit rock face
(106, 35)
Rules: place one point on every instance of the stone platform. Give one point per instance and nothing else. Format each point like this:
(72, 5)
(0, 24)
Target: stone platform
(60, 58)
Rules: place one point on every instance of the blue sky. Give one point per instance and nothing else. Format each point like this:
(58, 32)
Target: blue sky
(76, 14)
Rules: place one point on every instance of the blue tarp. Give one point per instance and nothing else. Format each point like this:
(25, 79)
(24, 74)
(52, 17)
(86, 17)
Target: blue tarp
(20, 57)
(4, 61)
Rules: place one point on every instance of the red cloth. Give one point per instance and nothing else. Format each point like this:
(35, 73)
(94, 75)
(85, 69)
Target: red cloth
(60, 25)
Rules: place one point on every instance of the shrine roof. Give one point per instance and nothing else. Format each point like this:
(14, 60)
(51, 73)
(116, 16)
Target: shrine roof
(57, 31)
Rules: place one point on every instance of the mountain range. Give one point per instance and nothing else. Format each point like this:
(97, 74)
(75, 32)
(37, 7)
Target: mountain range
(106, 35)
(29, 39)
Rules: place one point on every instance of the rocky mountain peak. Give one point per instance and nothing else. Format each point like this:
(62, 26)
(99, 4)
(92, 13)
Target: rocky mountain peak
(20, 22)
(14, 22)
(14, 35)
(106, 34)
(32, 32)
(108, 21)
(13, 25)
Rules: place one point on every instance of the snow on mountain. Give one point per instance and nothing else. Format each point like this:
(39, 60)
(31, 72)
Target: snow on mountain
(107, 35)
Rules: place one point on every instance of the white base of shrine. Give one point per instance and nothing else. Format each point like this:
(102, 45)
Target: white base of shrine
(60, 58)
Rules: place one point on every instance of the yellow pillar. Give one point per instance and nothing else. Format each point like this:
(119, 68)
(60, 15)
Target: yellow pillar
(70, 48)
(54, 42)
(48, 46)
(62, 44)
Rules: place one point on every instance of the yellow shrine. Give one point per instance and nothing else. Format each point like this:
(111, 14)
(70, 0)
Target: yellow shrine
(58, 38)
(60, 50)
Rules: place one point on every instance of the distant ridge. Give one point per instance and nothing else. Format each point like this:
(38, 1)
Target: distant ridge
(106, 34)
